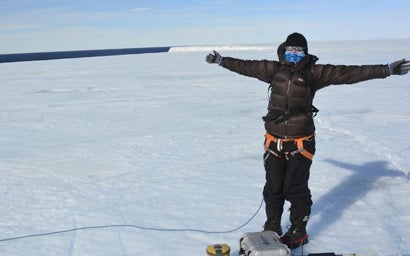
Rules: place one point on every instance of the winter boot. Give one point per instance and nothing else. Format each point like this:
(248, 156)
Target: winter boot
(295, 237)
(273, 217)
(273, 225)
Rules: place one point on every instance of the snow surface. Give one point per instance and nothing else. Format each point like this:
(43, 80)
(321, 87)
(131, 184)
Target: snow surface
(167, 141)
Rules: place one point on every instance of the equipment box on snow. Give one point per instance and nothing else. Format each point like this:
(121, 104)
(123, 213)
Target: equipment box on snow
(266, 243)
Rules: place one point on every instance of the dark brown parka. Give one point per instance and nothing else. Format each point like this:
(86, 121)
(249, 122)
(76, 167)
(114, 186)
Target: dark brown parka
(293, 87)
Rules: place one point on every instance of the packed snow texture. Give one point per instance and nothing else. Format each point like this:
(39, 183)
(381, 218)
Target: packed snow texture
(167, 141)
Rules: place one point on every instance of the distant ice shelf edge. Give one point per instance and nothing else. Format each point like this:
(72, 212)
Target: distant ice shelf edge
(221, 48)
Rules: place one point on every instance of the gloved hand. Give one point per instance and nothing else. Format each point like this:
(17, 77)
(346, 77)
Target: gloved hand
(214, 58)
(399, 67)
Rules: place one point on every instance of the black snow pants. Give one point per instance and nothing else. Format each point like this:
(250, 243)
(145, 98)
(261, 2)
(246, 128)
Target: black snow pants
(287, 179)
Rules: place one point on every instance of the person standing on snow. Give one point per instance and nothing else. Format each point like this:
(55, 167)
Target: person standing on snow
(290, 130)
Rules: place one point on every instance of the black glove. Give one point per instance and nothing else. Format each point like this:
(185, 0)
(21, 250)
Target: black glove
(399, 67)
(214, 58)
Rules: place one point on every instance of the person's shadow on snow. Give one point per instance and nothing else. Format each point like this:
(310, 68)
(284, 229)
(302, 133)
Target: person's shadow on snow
(331, 205)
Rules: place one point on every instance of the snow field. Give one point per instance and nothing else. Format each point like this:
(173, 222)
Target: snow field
(168, 141)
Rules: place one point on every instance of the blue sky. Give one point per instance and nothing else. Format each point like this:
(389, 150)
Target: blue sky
(52, 25)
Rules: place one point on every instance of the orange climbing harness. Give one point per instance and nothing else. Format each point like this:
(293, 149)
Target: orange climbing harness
(279, 143)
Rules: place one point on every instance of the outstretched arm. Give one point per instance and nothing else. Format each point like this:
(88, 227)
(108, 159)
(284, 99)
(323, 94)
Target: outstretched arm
(260, 69)
(325, 75)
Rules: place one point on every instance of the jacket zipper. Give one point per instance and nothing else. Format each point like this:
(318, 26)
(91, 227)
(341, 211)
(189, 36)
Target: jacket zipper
(287, 106)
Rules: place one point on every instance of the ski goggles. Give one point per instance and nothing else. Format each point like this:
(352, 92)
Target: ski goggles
(297, 48)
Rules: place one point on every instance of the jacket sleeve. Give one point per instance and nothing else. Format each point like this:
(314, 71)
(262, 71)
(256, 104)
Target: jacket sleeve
(263, 70)
(325, 75)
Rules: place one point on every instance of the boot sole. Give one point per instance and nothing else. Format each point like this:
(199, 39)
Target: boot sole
(297, 245)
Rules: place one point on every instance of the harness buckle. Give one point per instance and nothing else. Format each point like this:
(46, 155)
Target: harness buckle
(279, 145)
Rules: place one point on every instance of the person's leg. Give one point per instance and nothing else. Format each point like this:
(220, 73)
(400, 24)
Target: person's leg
(297, 191)
(273, 191)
